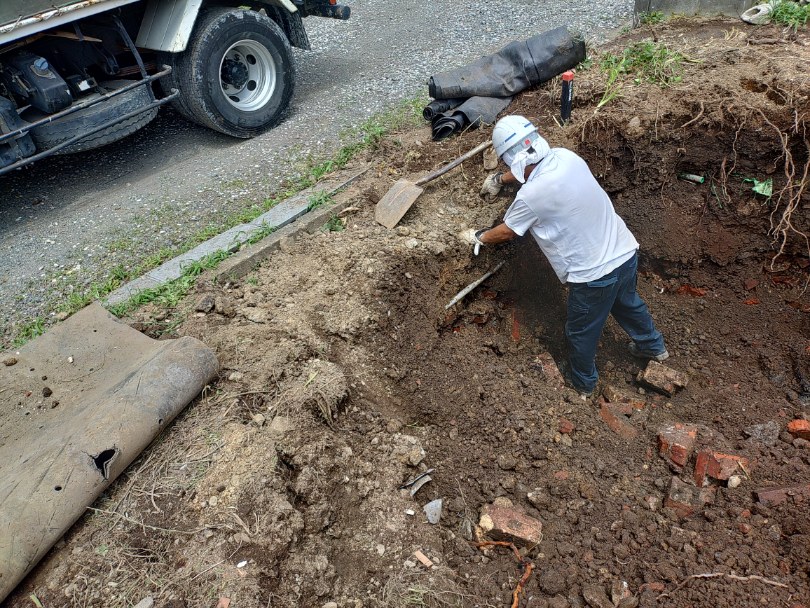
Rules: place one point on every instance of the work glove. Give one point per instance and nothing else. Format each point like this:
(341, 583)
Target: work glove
(492, 185)
(472, 237)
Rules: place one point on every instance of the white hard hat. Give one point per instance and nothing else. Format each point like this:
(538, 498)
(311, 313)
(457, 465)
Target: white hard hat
(511, 135)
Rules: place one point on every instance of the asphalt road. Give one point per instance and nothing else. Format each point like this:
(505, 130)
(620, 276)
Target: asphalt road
(67, 221)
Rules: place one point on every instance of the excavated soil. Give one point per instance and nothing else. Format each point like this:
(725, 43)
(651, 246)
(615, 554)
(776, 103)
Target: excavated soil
(343, 376)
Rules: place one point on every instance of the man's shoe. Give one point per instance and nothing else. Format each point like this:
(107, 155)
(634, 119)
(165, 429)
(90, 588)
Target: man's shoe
(583, 393)
(647, 354)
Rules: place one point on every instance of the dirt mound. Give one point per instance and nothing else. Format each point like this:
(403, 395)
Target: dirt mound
(344, 378)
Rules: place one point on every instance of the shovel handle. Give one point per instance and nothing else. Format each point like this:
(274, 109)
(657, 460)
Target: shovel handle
(438, 172)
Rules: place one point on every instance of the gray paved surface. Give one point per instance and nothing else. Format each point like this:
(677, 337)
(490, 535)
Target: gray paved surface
(72, 219)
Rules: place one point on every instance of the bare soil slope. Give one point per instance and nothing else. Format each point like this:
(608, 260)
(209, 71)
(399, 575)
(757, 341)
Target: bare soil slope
(344, 376)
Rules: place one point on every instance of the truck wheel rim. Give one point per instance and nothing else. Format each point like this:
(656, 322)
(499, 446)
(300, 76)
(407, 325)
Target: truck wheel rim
(247, 75)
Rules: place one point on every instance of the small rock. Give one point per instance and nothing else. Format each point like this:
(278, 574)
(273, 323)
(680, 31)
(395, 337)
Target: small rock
(213, 501)
(662, 378)
(8, 362)
(766, 433)
(734, 481)
(558, 601)
(490, 159)
(596, 597)
(146, 602)
(47, 392)
(330, 605)
(801, 444)
(412, 243)
(259, 419)
(380, 550)
(619, 592)
(281, 424)
(236, 376)
(433, 510)
(415, 456)
(61, 316)
(507, 462)
(566, 440)
(502, 522)
(565, 426)
(205, 304)
(539, 498)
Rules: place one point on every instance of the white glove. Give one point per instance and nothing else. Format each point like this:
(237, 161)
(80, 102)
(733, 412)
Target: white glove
(471, 237)
(492, 185)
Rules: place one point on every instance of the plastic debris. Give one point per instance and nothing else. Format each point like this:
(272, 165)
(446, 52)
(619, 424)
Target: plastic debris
(418, 485)
(690, 177)
(433, 510)
(759, 14)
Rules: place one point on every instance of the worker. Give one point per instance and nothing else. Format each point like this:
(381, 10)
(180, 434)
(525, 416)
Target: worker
(587, 244)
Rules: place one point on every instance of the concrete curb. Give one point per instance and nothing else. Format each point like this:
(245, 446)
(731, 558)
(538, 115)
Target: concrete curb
(283, 216)
(731, 8)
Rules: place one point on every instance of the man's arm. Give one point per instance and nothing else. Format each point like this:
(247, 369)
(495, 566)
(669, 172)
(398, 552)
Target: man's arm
(499, 234)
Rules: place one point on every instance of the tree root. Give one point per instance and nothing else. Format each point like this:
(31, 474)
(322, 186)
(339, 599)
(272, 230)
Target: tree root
(528, 566)
(734, 577)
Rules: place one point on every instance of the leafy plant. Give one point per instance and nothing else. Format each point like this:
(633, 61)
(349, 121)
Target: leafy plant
(335, 224)
(791, 14)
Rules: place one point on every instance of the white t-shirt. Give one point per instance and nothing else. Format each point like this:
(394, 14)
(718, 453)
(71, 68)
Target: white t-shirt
(571, 218)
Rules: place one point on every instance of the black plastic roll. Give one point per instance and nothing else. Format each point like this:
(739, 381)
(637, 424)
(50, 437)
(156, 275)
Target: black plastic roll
(439, 106)
(515, 67)
(472, 113)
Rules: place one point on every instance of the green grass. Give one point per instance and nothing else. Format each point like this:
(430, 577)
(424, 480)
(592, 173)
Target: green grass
(169, 294)
(643, 62)
(29, 331)
(651, 18)
(791, 14)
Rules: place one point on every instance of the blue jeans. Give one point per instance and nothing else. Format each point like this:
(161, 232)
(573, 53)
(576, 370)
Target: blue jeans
(589, 305)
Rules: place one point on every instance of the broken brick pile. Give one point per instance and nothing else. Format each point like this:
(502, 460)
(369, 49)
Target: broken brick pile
(698, 473)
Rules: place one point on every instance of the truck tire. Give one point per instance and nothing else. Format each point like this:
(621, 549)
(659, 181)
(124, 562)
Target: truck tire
(54, 133)
(237, 75)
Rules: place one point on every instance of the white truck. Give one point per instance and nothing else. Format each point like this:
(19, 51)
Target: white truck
(76, 75)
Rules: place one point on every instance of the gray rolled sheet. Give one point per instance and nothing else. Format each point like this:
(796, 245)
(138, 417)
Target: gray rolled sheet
(489, 83)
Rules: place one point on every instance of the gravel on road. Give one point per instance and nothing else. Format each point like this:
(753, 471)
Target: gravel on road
(67, 222)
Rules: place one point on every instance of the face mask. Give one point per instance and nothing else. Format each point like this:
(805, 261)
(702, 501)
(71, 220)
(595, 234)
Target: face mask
(524, 158)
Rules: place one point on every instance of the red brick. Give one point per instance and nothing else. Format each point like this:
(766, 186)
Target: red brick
(615, 396)
(717, 466)
(676, 442)
(616, 421)
(566, 427)
(775, 496)
(663, 379)
(657, 587)
(550, 371)
(685, 499)
(504, 523)
(799, 429)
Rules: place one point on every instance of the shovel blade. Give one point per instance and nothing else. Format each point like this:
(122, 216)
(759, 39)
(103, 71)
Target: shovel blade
(396, 202)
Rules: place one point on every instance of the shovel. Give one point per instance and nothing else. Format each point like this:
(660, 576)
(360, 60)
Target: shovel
(404, 193)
